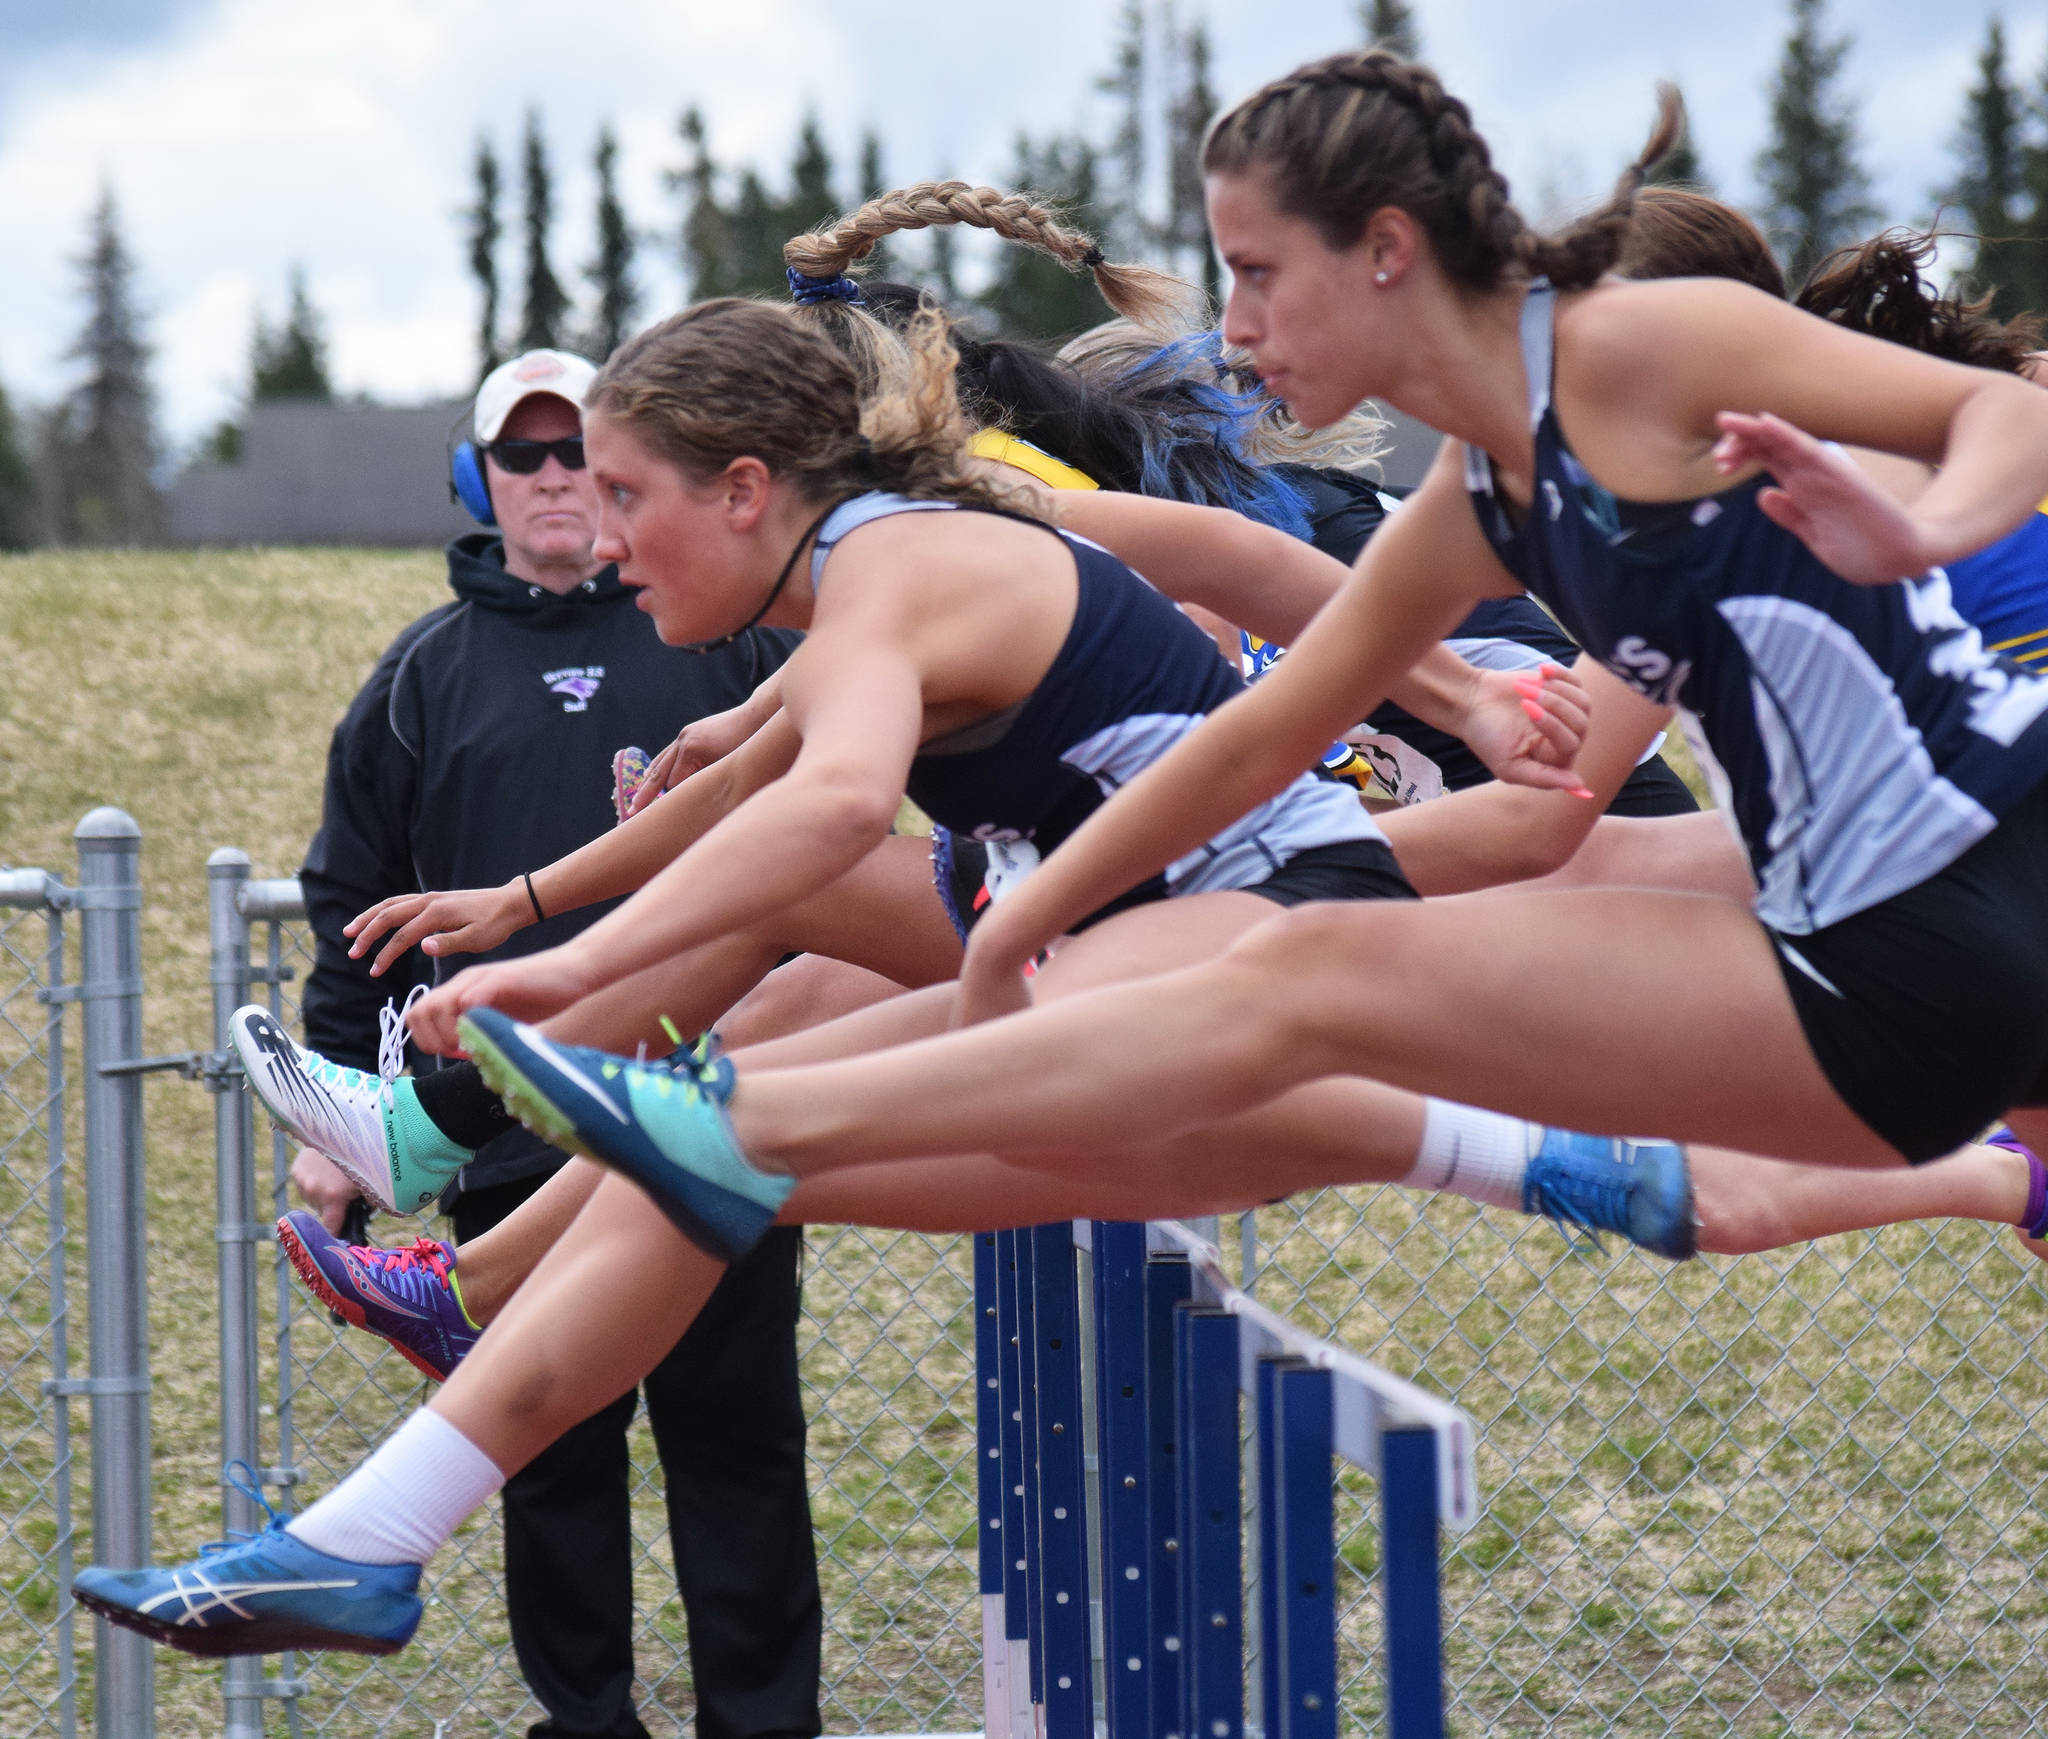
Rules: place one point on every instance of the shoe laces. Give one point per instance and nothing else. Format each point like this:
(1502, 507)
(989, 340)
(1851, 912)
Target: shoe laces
(422, 1253)
(1583, 1199)
(242, 1477)
(391, 1036)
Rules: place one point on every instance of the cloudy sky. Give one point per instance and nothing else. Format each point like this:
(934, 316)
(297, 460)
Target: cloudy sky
(241, 136)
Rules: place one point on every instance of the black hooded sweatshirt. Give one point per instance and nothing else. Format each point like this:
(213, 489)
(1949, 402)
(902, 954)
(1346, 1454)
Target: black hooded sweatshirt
(482, 746)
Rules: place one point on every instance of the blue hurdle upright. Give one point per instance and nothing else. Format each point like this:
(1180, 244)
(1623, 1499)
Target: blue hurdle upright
(1112, 1578)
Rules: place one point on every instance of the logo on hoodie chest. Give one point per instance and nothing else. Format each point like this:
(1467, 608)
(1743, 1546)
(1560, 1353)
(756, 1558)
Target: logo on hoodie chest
(575, 684)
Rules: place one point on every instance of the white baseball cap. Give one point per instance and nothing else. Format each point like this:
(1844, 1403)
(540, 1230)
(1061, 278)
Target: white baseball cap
(549, 371)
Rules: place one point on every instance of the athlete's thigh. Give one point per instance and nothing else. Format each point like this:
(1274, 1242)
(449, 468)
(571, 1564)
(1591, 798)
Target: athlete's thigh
(1162, 936)
(802, 993)
(916, 1014)
(1615, 1011)
(883, 914)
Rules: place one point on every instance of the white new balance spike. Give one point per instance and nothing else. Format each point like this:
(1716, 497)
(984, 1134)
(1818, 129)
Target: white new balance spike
(342, 1112)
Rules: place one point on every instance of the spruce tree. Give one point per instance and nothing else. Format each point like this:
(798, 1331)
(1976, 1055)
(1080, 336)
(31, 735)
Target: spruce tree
(2031, 264)
(811, 200)
(102, 444)
(290, 362)
(758, 226)
(1816, 194)
(540, 321)
(882, 263)
(1991, 145)
(942, 275)
(1390, 24)
(1188, 118)
(18, 516)
(618, 297)
(1030, 295)
(484, 229)
(706, 237)
(1128, 233)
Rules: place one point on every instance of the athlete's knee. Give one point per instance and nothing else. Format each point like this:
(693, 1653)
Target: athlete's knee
(1297, 960)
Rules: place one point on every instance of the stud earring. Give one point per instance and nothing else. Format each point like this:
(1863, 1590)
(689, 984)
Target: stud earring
(1380, 278)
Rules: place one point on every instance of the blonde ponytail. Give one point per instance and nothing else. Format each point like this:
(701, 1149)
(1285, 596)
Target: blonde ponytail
(1152, 298)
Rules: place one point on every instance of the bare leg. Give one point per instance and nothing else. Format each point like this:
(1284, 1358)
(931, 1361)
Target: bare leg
(1685, 854)
(1601, 1010)
(557, 1353)
(1747, 1204)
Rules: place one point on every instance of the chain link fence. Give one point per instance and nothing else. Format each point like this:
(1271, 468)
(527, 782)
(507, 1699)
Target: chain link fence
(1789, 1493)
(887, 1350)
(38, 1659)
(1793, 1493)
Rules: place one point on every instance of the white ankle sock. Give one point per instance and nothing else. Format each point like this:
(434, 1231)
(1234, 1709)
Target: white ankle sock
(1477, 1154)
(401, 1505)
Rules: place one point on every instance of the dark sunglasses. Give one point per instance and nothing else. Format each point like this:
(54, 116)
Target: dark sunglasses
(523, 458)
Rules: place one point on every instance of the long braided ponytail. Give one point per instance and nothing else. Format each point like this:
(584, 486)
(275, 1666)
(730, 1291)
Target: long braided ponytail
(1139, 293)
(1345, 136)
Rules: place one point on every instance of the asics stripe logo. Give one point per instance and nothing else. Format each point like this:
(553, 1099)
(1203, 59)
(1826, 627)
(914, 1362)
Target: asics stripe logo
(204, 1599)
(555, 1057)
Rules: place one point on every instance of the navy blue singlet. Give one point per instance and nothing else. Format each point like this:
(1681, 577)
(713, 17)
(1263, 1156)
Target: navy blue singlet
(1133, 677)
(1860, 737)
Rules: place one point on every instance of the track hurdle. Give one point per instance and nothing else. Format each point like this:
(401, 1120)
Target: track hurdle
(1110, 1451)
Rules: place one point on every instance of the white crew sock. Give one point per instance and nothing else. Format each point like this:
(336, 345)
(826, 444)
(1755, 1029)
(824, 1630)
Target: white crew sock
(401, 1505)
(1477, 1154)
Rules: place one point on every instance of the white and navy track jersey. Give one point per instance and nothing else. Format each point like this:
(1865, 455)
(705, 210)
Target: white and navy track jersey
(1865, 738)
(1133, 677)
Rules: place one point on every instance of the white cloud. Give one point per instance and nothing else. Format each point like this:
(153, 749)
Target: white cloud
(267, 133)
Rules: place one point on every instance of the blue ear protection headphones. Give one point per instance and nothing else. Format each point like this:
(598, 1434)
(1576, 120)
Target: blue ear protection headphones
(466, 481)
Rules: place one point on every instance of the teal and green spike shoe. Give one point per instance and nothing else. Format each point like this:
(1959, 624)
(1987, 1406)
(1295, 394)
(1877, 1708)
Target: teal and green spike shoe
(661, 1124)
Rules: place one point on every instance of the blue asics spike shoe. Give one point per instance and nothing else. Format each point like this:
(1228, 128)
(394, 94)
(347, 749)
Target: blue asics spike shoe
(260, 1594)
(369, 1125)
(1641, 1189)
(661, 1124)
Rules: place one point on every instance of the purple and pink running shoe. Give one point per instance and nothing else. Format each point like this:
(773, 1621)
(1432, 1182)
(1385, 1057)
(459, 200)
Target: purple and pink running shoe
(409, 1296)
(2034, 1222)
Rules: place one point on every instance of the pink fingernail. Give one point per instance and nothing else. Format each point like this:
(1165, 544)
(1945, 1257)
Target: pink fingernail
(1533, 710)
(1581, 791)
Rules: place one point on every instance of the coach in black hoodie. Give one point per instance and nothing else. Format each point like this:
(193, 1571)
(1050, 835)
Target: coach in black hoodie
(481, 747)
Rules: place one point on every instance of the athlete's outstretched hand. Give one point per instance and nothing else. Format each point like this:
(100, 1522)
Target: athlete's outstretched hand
(531, 989)
(1527, 725)
(695, 748)
(1823, 498)
(464, 922)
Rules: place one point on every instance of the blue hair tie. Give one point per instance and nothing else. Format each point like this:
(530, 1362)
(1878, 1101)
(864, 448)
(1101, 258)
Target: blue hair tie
(837, 288)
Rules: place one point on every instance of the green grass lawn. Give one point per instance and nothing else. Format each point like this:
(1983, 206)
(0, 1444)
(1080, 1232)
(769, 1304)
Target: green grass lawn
(1789, 1494)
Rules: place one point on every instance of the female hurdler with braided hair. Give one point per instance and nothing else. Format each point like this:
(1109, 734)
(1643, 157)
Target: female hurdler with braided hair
(1648, 458)
(400, 1144)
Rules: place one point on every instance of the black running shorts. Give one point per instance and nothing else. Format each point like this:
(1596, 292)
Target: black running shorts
(1352, 869)
(1928, 1013)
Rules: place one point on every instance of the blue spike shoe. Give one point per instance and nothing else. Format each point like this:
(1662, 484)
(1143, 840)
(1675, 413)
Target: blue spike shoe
(661, 1124)
(262, 1593)
(1641, 1189)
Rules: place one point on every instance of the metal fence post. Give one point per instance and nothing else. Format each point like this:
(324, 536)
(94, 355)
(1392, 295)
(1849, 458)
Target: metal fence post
(109, 901)
(236, 1232)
